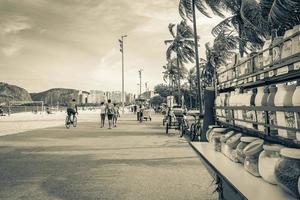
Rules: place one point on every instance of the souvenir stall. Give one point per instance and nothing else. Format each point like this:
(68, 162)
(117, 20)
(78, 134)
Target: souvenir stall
(253, 150)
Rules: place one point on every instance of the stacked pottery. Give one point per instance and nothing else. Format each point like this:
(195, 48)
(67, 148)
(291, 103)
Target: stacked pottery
(252, 103)
(283, 97)
(248, 114)
(296, 41)
(259, 102)
(287, 45)
(272, 114)
(296, 102)
(276, 50)
(267, 58)
(239, 103)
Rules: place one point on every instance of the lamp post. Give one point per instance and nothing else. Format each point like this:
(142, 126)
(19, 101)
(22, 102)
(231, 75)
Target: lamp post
(121, 41)
(140, 75)
(197, 57)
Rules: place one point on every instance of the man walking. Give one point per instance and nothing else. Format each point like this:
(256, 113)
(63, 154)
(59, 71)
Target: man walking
(102, 114)
(116, 115)
(110, 113)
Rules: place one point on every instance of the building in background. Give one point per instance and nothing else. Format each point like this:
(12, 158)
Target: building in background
(129, 98)
(116, 96)
(147, 95)
(83, 97)
(96, 97)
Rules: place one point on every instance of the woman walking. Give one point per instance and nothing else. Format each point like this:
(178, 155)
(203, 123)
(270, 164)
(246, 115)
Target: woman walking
(102, 114)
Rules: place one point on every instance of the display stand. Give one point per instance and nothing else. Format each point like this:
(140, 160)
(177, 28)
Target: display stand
(233, 182)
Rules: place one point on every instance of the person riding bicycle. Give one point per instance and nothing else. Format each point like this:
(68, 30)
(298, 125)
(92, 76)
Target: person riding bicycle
(72, 109)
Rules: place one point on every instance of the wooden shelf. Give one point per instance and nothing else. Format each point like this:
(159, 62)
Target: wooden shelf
(256, 133)
(249, 187)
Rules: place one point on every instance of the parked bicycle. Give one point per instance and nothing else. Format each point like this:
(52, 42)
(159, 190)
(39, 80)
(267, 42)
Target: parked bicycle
(70, 122)
(196, 127)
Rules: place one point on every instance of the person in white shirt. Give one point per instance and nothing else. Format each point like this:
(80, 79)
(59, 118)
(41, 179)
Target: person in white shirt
(102, 114)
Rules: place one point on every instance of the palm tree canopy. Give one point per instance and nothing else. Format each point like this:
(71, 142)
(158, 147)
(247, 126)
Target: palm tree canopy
(181, 44)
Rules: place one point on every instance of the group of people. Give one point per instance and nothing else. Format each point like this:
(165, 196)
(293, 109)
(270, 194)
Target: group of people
(111, 111)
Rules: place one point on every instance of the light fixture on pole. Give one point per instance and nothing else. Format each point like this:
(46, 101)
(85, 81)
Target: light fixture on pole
(140, 75)
(121, 41)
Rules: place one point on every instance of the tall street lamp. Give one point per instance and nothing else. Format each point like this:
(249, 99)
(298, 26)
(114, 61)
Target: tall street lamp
(197, 57)
(121, 41)
(140, 76)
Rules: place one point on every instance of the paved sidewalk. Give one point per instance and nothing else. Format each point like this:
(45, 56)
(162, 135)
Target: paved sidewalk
(132, 161)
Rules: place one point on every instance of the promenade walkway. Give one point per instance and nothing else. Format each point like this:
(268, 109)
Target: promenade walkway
(132, 161)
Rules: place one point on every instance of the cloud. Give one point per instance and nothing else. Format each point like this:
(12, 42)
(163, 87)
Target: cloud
(14, 24)
(10, 28)
(12, 49)
(51, 39)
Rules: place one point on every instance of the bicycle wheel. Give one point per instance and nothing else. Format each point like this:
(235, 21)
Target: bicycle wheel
(75, 121)
(193, 132)
(167, 128)
(182, 130)
(67, 122)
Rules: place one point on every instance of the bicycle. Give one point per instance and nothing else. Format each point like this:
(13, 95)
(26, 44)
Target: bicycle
(68, 121)
(196, 127)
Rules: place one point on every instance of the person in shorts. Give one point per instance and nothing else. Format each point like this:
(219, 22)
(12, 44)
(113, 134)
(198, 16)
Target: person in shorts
(110, 113)
(102, 114)
(72, 109)
(116, 115)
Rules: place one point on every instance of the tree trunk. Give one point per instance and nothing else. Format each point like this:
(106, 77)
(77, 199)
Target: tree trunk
(191, 103)
(178, 83)
(241, 46)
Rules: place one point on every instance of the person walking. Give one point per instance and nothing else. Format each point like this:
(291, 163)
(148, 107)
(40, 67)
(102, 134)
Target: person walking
(110, 113)
(102, 114)
(116, 115)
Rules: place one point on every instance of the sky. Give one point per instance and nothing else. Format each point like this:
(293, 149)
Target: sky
(74, 43)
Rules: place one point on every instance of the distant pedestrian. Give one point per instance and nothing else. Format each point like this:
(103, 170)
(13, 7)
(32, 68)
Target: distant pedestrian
(110, 113)
(138, 113)
(141, 113)
(116, 115)
(102, 114)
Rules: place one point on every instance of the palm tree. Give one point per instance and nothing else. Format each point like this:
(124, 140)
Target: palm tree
(182, 46)
(187, 10)
(275, 13)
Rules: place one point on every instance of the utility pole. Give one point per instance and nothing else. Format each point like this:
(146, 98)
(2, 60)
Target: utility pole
(197, 58)
(140, 75)
(121, 41)
(146, 86)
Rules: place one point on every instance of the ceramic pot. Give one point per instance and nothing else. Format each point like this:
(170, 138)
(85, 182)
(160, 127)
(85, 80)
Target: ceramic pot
(287, 171)
(272, 114)
(287, 46)
(296, 102)
(267, 162)
(276, 51)
(261, 100)
(283, 97)
(296, 41)
(266, 54)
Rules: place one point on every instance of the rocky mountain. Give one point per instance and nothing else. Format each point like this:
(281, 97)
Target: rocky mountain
(55, 95)
(13, 93)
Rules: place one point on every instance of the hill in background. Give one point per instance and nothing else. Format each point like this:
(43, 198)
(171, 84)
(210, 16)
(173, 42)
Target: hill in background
(55, 95)
(13, 93)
